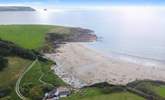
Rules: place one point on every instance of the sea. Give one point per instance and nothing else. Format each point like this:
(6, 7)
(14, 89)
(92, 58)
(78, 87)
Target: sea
(134, 34)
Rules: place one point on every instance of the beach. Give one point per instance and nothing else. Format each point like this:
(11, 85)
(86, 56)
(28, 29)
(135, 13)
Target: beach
(79, 65)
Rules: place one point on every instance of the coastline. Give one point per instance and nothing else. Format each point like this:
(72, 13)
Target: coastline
(78, 65)
(150, 62)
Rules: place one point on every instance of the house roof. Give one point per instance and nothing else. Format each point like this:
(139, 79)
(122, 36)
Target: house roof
(58, 92)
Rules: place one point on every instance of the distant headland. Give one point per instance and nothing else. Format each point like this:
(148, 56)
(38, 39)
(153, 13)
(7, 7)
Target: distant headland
(16, 8)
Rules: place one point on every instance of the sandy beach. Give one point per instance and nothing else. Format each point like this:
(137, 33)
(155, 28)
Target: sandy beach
(79, 65)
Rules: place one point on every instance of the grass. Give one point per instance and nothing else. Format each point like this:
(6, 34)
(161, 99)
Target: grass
(94, 93)
(37, 79)
(84, 93)
(40, 76)
(160, 90)
(11, 73)
(27, 36)
(97, 94)
(30, 83)
(152, 88)
(116, 96)
(36, 72)
(30, 36)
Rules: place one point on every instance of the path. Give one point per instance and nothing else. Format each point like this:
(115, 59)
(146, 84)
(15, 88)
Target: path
(17, 88)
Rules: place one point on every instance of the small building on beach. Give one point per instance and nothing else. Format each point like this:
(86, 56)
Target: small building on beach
(57, 93)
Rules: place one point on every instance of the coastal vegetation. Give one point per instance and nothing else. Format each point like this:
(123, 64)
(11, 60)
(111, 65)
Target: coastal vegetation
(39, 77)
(104, 91)
(9, 76)
(159, 90)
(8, 48)
(99, 96)
(20, 46)
(3, 62)
(138, 90)
(39, 80)
(40, 37)
(21, 58)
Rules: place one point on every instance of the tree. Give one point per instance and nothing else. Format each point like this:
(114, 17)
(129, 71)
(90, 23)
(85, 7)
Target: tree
(3, 63)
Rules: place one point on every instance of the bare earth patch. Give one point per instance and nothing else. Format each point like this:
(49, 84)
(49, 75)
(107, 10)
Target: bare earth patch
(79, 65)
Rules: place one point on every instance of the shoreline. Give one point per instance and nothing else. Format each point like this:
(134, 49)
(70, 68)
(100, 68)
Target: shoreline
(79, 65)
(150, 62)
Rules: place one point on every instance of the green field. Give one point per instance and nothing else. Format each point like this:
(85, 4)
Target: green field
(10, 74)
(98, 94)
(31, 36)
(116, 96)
(94, 93)
(27, 36)
(160, 90)
(154, 88)
(34, 82)
(38, 78)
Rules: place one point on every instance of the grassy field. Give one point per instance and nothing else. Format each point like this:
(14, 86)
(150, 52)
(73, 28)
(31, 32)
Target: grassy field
(27, 36)
(30, 36)
(34, 82)
(38, 78)
(10, 74)
(97, 94)
(116, 96)
(107, 93)
(156, 89)
(160, 90)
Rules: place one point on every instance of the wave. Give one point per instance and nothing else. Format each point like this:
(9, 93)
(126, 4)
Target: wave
(129, 57)
(138, 59)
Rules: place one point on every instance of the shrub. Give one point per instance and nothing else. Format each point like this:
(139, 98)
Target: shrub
(4, 92)
(3, 63)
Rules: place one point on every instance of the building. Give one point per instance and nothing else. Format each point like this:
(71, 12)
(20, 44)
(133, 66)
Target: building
(57, 93)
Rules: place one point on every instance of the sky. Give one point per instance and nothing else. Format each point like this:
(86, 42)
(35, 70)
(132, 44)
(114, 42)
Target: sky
(84, 2)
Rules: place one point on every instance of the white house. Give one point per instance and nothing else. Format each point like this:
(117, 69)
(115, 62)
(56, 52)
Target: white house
(57, 93)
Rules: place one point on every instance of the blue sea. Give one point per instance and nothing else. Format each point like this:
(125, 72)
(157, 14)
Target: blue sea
(135, 34)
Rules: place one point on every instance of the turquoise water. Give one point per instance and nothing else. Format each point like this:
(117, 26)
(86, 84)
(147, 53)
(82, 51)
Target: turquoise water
(131, 34)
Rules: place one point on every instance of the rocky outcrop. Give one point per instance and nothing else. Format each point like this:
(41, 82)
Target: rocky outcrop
(71, 35)
(60, 35)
